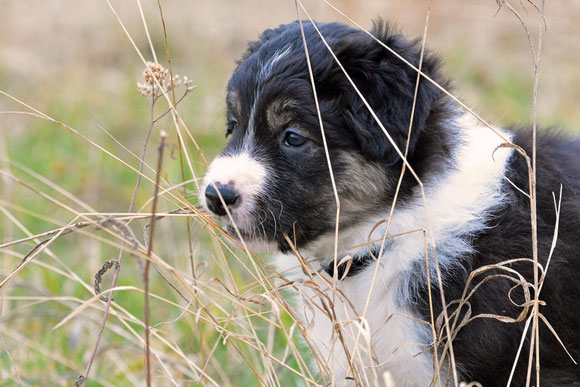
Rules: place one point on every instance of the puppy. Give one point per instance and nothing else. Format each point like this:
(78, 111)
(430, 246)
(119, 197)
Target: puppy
(376, 306)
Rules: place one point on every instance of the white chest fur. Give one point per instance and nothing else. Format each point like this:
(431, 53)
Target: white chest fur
(388, 338)
(378, 332)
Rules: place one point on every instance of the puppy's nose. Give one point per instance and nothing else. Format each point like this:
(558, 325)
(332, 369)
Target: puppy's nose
(227, 192)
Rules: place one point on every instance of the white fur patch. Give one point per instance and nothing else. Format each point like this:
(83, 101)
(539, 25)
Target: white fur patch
(268, 65)
(458, 202)
(248, 177)
(248, 138)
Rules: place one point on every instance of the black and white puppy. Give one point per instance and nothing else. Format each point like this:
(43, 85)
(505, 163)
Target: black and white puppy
(273, 177)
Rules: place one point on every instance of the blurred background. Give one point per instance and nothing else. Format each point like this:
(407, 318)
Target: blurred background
(72, 61)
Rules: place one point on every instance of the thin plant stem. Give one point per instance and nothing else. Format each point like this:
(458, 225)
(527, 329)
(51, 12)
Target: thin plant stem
(120, 256)
(148, 262)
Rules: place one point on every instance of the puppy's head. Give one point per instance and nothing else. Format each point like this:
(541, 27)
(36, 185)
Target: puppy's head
(273, 176)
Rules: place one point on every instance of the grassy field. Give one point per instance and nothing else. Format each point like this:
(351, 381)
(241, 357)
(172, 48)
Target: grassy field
(214, 322)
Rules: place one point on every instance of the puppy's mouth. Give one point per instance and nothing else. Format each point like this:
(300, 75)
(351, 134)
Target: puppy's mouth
(245, 234)
(257, 232)
(240, 229)
(254, 239)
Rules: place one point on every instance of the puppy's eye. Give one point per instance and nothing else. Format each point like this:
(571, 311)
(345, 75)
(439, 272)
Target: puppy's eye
(231, 126)
(294, 139)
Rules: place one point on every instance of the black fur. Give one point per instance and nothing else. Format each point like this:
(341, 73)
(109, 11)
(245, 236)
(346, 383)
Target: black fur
(301, 204)
(486, 348)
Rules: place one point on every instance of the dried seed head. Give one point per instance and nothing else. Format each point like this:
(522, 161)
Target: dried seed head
(155, 73)
(188, 84)
(144, 89)
(156, 81)
(175, 82)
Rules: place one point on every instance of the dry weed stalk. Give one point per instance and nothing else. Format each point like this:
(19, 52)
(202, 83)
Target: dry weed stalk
(148, 261)
(155, 85)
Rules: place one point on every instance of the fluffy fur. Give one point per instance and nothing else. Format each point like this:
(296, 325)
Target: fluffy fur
(275, 160)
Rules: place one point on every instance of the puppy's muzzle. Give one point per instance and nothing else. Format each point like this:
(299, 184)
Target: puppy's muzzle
(214, 203)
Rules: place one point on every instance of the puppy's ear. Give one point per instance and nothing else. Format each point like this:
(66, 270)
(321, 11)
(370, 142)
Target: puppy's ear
(388, 85)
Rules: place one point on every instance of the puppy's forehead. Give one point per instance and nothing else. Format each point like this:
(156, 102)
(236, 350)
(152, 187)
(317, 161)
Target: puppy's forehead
(270, 61)
(271, 89)
(280, 54)
(255, 72)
